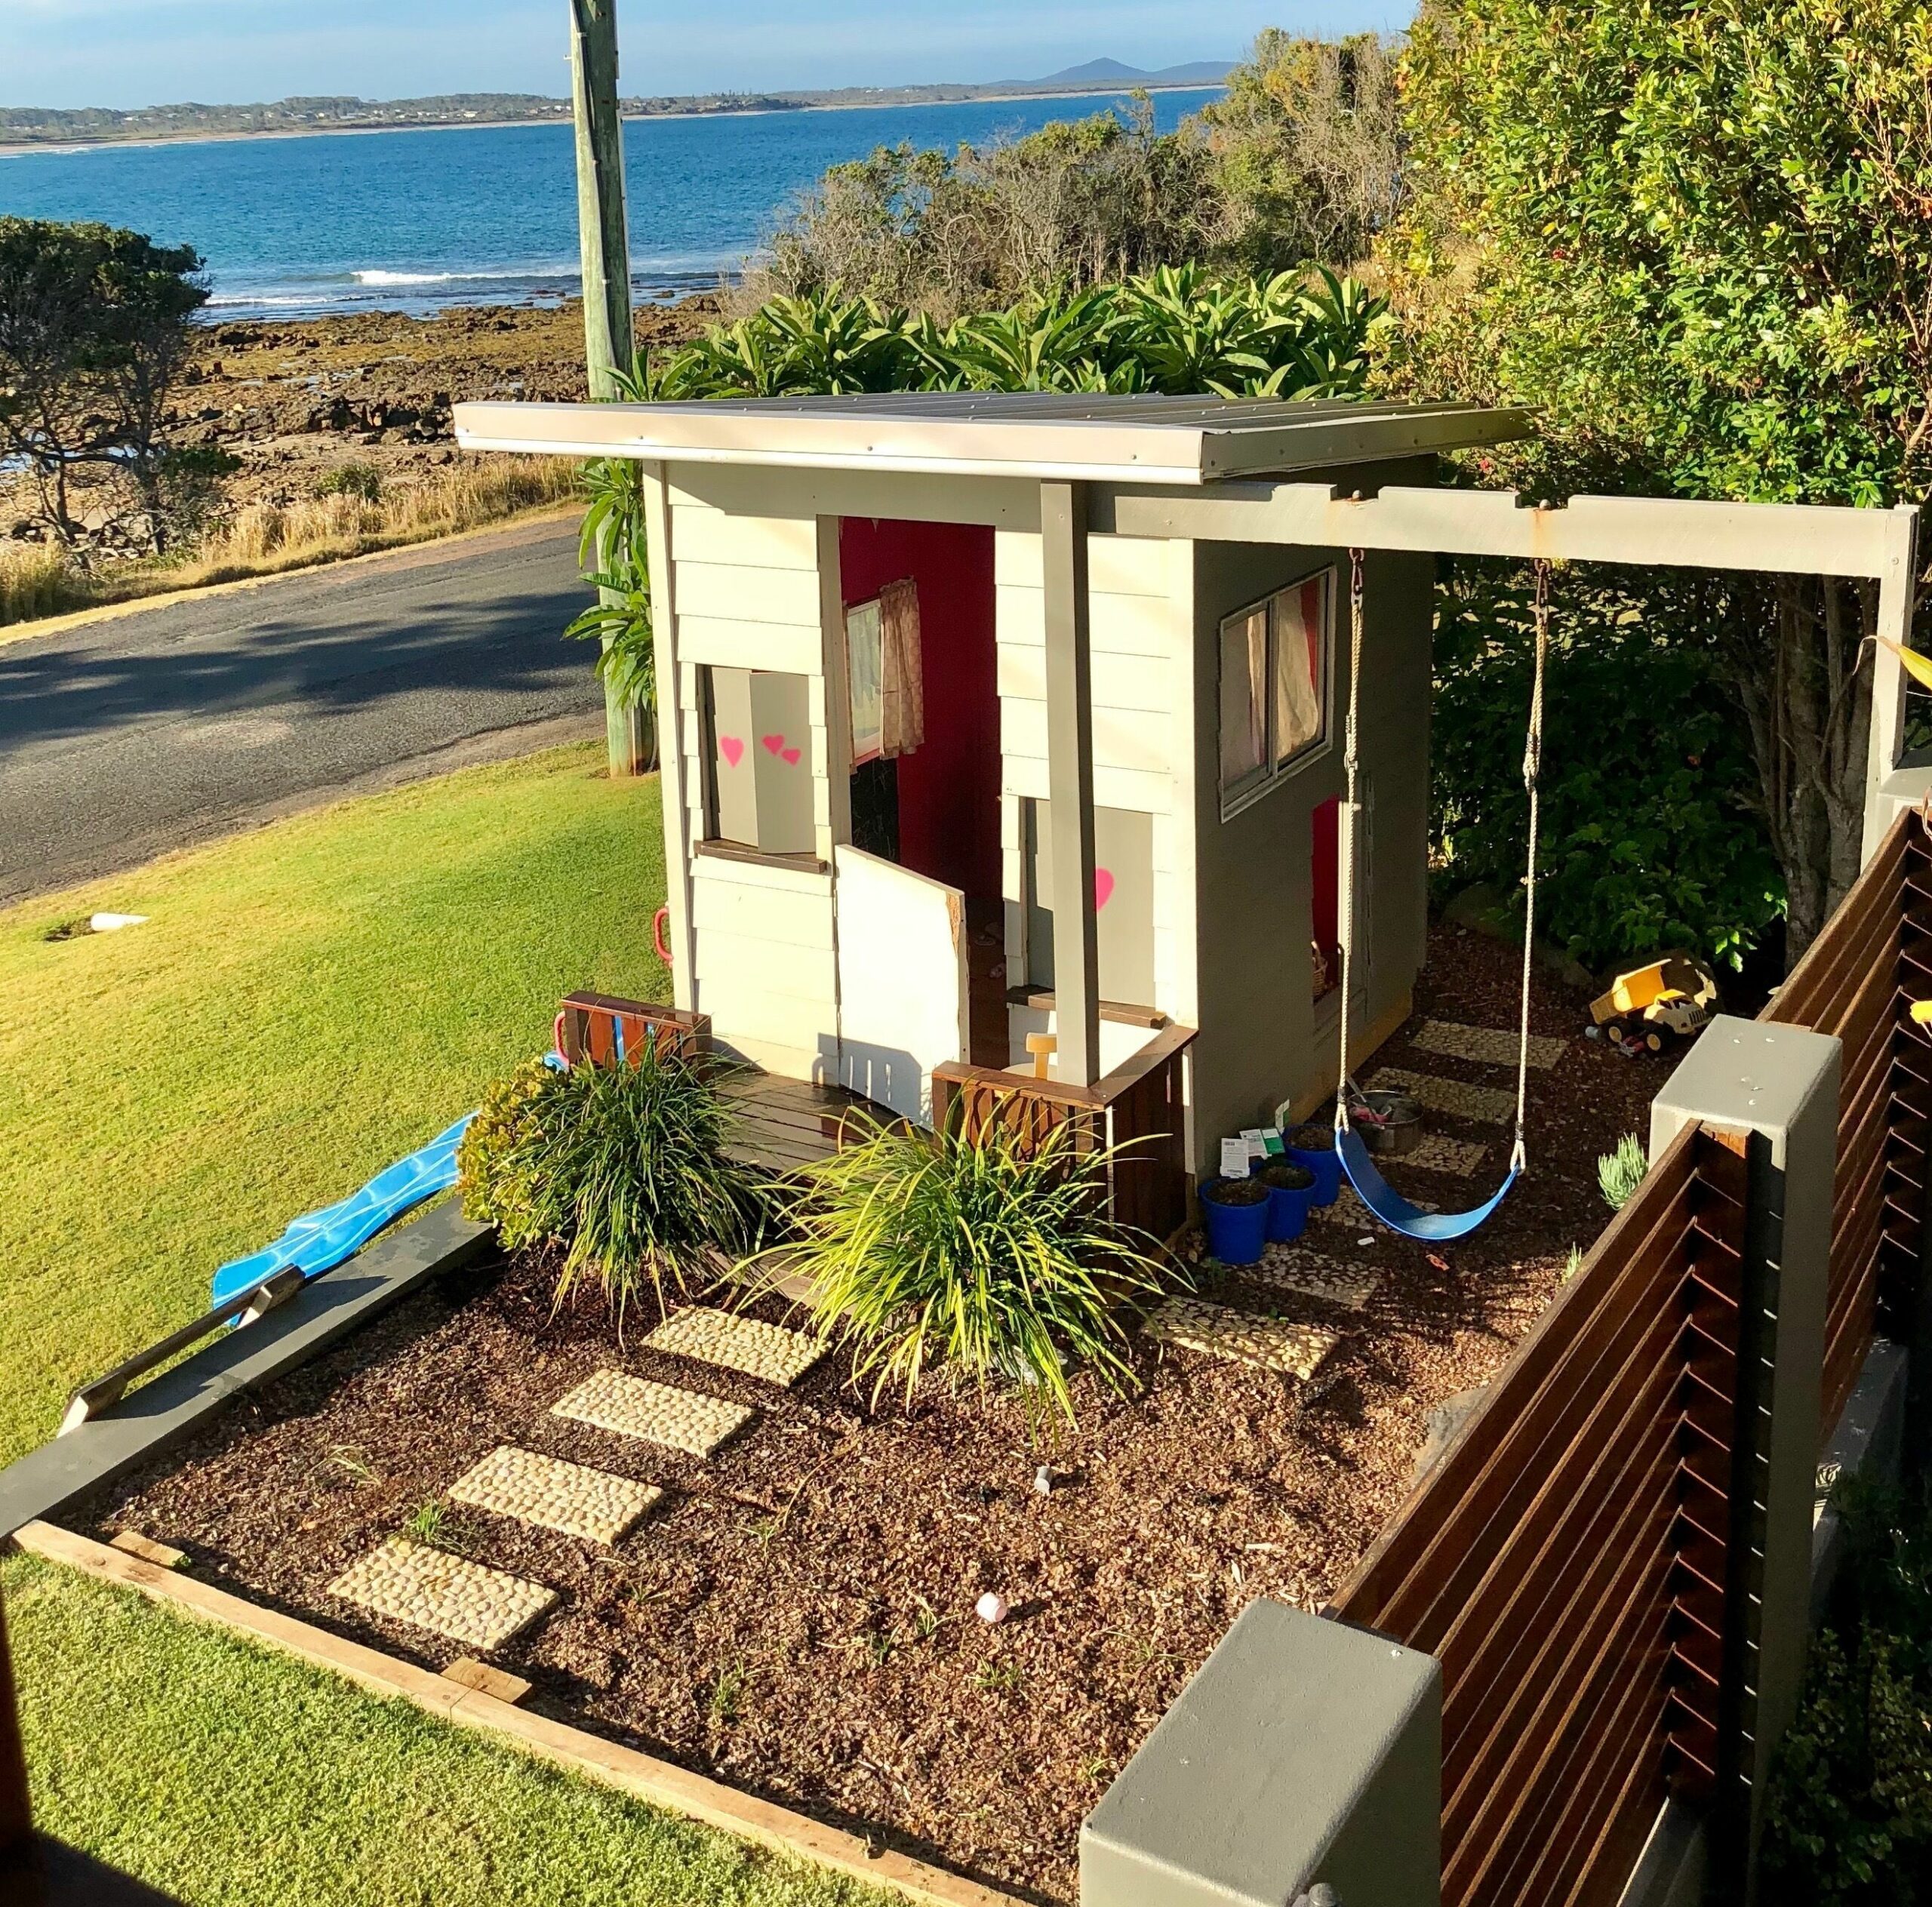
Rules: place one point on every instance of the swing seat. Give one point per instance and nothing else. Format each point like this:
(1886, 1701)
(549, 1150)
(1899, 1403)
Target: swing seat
(1395, 1211)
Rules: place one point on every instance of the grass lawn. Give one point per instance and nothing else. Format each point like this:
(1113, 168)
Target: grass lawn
(305, 1004)
(228, 1775)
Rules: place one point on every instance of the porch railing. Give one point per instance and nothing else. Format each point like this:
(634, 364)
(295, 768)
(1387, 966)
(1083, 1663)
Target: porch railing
(1138, 1112)
(597, 1028)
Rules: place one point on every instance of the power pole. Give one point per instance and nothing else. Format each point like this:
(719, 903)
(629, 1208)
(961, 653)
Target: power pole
(604, 241)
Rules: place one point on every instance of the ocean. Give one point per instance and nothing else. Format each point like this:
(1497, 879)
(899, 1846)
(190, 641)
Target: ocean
(301, 227)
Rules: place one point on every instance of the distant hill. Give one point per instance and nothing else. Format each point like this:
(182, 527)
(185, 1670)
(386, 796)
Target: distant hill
(1110, 73)
(105, 125)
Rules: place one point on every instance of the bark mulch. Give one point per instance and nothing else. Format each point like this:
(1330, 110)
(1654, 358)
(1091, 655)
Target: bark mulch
(797, 1616)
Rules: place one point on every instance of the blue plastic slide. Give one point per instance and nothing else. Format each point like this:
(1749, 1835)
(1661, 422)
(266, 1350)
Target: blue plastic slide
(322, 1240)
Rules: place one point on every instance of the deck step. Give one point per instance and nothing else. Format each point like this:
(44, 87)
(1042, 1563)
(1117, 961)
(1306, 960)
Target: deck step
(769, 1351)
(655, 1414)
(451, 1596)
(571, 1498)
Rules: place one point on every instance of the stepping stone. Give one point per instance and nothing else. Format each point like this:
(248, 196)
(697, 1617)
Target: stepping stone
(555, 1495)
(1488, 1103)
(1274, 1343)
(1308, 1274)
(1487, 1045)
(1439, 1155)
(1348, 1210)
(658, 1414)
(449, 1595)
(766, 1351)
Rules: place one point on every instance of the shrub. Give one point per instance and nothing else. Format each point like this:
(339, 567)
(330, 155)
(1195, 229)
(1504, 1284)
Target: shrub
(1621, 1172)
(933, 1248)
(1849, 1816)
(354, 479)
(1651, 835)
(623, 1170)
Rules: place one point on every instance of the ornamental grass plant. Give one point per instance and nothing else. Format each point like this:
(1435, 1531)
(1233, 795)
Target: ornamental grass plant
(976, 1254)
(621, 1170)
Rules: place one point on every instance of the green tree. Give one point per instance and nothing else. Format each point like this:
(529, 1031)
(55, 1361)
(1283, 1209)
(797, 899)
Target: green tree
(93, 331)
(1695, 233)
(1307, 143)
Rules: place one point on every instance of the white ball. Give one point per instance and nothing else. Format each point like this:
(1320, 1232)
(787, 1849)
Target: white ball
(992, 1608)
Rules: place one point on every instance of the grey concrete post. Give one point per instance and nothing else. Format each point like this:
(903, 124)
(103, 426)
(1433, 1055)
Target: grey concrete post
(1778, 1086)
(1304, 1756)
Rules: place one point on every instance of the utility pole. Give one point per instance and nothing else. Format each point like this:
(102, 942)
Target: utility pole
(605, 243)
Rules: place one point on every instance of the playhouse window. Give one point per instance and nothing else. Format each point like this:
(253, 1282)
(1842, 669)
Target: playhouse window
(1274, 685)
(757, 759)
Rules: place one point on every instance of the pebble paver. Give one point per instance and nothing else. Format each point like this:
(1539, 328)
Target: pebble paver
(759, 1350)
(1488, 1045)
(1348, 1210)
(545, 1491)
(658, 1414)
(1454, 1097)
(1296, 1350)
(1308, 1274)
(1436, 1154)
(450, 1595)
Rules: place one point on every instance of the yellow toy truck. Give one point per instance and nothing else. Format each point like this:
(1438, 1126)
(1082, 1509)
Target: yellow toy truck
(1646, 1009)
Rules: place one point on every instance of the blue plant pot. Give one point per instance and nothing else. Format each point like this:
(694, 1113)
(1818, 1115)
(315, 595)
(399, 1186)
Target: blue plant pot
(1327, 1168)
(1235, 1233)
(1287, 1212)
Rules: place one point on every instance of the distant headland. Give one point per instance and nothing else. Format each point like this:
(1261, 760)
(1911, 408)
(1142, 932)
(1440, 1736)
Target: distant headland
(30, 126)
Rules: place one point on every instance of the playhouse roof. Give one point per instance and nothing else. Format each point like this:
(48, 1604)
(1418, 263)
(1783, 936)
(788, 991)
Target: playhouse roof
(1137, 438)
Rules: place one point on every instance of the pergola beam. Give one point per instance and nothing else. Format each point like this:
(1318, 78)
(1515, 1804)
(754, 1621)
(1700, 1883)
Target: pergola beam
(1790, 539)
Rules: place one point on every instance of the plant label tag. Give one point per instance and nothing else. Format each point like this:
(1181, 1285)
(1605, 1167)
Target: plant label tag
(1271, 1139)
(1235, 1158)
(1257, 1146)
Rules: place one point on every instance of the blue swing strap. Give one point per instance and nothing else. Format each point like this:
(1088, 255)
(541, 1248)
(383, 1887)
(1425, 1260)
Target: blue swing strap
(1375, 1191)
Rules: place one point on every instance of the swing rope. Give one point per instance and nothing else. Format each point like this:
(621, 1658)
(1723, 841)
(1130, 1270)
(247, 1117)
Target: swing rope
(1388, 1204)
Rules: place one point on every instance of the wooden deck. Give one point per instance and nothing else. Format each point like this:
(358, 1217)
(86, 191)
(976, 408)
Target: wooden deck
(785, 1124)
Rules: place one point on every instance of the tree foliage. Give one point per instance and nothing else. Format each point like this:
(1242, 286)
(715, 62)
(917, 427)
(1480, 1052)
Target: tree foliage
(93, 328)
(1300, 162)
(1647, 840)
(1694, 233)
(1307, 148)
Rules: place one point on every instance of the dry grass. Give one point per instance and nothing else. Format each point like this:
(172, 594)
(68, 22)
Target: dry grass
(265, 539)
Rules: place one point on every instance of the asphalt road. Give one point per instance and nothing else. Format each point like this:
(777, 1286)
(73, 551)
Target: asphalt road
(122, 738)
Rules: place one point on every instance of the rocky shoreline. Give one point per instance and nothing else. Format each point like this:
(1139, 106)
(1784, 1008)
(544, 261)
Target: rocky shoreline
(295, 400)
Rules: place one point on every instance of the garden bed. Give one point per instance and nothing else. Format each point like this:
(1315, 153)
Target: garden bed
(797, 1615)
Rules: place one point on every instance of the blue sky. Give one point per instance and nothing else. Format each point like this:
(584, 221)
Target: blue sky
(124, 53)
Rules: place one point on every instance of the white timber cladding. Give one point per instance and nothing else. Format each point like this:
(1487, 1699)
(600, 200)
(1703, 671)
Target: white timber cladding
(1141, 609)
(746, 593)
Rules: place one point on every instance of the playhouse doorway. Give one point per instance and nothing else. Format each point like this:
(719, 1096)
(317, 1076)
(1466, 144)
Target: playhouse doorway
(923, 679)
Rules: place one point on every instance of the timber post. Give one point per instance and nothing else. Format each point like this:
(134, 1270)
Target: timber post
(604, 246)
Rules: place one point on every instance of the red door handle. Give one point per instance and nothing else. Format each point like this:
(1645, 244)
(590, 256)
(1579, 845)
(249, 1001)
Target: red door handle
(661, 922)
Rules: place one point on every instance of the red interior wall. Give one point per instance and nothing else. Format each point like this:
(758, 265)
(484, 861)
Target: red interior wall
(1325, 912)
(948, 787)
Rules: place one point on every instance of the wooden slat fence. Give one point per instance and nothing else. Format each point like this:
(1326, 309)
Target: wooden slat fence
(1856, 982)
(1567, 1560)
(1583, 1559)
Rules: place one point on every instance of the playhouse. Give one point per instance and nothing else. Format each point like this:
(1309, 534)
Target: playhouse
(1000, 735)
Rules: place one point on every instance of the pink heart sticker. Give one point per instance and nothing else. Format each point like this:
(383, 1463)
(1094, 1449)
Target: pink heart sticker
(732, 747)
(773, 743)
(792, 757)
(1104, 888)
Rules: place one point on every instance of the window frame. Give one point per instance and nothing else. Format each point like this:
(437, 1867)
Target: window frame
(713, 840)
(1258, 782)
(860, 756)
